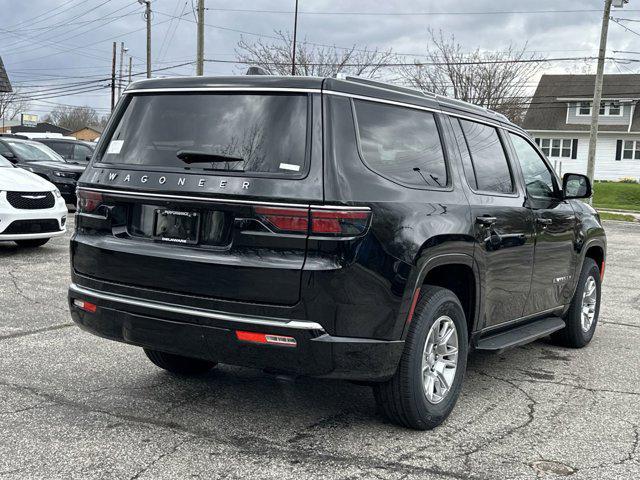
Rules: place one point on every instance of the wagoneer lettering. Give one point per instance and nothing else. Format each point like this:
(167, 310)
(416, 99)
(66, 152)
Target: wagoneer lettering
(337, 228)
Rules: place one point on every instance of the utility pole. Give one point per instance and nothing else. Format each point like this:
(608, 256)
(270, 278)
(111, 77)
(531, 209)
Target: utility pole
(200, 48)
(130, 65)
(295, 34)
(597, 93)
(113, 77)
(123, 50)
(147, 16)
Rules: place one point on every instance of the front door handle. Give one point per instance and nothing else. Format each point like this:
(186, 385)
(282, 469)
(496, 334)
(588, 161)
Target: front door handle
(545, 222)
(486, 220)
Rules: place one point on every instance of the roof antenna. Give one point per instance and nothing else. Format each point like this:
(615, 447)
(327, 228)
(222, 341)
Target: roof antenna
(256, 71)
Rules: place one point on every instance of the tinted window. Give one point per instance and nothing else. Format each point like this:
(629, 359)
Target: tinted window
(63, 148)
(490, 164)
(537, 177)
(467, 164)
(401, 144)
(81, 152)
(230, 132)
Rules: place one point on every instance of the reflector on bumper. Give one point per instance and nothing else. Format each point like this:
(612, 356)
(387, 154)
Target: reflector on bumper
(266, 338)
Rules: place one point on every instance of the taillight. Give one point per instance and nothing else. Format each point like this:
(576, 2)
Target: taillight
(323, 222)
(88, 201)
(285, 220)
(344, 223)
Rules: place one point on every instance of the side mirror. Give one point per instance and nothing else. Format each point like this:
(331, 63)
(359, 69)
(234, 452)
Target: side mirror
(575, 185)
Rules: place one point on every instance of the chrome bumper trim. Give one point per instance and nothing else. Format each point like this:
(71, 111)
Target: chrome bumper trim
(165, 307)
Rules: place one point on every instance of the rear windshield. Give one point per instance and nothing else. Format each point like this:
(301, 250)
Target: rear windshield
(250, 133)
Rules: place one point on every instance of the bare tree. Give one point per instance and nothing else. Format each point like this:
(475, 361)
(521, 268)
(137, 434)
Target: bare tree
(275, 57)
(494, 80)
(73, 118)
(12, 104)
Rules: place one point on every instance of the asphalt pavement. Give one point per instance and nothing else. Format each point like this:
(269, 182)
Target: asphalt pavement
(76, 406)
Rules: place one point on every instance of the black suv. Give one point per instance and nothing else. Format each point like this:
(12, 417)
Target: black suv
(329, 227)
(41, 160)
(76, 151)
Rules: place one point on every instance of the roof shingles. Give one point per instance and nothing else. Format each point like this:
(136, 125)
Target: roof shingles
(546, 112)
(5, 85)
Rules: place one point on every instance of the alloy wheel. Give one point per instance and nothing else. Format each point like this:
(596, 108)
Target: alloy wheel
(589, 302)
(440, 359)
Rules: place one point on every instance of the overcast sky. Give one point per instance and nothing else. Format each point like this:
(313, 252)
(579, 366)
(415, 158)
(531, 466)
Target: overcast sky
(52, 43)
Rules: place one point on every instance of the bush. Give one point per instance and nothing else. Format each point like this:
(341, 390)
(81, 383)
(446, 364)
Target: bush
(628, 180)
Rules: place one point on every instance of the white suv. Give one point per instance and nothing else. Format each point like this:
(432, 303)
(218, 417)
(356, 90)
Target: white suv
(31, 208)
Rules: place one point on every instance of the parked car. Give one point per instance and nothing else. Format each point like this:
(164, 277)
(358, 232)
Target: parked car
(337, 228)
(76, 151)
(41, 160)
(32, 209)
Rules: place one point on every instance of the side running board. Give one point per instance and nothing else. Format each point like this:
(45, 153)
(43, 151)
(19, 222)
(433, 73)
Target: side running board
(520, 335)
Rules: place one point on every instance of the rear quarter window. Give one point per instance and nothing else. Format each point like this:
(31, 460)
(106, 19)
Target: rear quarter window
(401, 144)
(259, 134)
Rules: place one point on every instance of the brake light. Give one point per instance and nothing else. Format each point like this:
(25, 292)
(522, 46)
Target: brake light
(326, 222)
(285, 220)
(266, 338)
(88, 201)
(339, 222)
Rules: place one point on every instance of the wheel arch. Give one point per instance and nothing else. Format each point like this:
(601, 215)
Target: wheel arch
(457, 272)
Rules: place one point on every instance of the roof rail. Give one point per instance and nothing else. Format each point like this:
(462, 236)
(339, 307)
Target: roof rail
(385, 85)
(470, 106)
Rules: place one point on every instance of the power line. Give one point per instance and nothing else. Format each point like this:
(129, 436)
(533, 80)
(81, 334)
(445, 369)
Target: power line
(361, 13)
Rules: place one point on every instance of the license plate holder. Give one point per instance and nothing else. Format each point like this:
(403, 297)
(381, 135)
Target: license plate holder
(176, 226)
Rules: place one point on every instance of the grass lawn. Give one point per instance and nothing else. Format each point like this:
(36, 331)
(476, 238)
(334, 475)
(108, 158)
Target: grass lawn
(617, 216)
(617, 196)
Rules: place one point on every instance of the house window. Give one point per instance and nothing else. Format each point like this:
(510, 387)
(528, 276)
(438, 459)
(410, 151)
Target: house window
(607, 109)
(614, 109)
(557, 147)
(631, 150)
(584, 108)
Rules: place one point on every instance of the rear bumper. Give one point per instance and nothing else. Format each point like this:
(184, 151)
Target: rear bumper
(211, 335)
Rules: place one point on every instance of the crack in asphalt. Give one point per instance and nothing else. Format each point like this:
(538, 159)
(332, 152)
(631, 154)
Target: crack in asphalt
(250, 445)
(604, 322)
(151, 464)
(18, 288)
(37, 331)
(531, 405)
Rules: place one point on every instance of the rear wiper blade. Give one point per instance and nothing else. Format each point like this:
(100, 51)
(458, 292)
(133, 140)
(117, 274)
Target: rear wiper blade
(194, 156)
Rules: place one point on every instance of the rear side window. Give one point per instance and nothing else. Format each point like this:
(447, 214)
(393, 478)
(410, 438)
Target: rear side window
(490, 165)
(62, 148)
(249, 133)
(401, 144)
(81, 152)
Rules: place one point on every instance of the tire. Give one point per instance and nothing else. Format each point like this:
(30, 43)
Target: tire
(32, 243)
(178, 364)
(575, 335)
(403, 399)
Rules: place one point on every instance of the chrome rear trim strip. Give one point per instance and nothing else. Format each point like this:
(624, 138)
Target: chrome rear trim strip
(220, 199)
(227, 317)
(188, 197)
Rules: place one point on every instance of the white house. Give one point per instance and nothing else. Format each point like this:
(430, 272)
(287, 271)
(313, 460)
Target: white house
(559, 118)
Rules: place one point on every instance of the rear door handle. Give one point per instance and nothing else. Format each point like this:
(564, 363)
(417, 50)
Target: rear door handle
(486, 221)
(544, 221)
